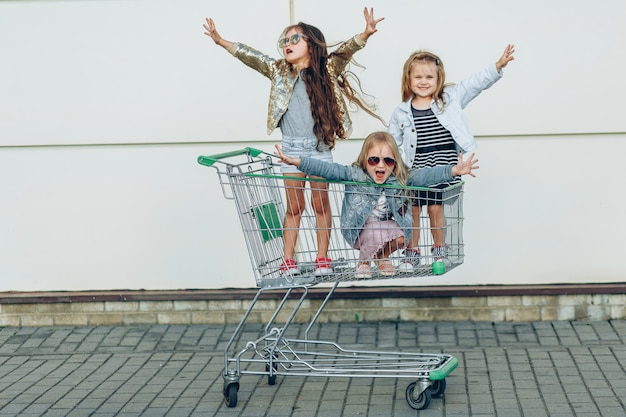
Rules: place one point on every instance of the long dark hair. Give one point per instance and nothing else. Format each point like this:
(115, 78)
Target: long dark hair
(327, 116)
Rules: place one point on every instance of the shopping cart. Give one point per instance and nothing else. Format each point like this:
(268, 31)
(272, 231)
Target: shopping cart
(251, 178)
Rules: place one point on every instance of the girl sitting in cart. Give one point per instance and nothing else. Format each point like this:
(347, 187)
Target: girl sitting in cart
(376, 216)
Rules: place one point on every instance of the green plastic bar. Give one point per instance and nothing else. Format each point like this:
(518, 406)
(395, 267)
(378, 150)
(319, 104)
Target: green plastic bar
(211, 159)
(445, 370)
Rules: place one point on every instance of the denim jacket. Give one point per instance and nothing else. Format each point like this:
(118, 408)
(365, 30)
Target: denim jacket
(457, 97)
(283, 77)
(360, 199)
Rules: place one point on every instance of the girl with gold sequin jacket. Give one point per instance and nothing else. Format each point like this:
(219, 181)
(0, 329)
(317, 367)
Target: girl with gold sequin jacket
(308, 87)
(376, 219)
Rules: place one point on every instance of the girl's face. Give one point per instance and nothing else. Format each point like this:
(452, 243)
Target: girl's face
(423, 79)
(380, 162)
(297, 54)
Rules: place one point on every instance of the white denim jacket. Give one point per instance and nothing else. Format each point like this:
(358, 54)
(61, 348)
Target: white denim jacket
(457, 97)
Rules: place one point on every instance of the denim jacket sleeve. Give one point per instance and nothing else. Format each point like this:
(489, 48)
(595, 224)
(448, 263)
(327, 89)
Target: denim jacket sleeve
(424, 177)
(402, 128)
(331, 170)
(468, 89)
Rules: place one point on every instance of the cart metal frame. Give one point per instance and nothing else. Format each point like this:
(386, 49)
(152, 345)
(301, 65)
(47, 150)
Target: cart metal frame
(250, 178)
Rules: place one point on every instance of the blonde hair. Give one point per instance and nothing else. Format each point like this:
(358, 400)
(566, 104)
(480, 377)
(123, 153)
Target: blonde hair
(400, 170)
(424, 57)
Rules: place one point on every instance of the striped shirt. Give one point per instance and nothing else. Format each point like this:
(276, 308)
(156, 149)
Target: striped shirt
(435, 145)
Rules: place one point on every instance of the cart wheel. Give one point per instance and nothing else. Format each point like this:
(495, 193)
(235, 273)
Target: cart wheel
(271, 380)
(437, 388)
(230, 395)
(423, 400)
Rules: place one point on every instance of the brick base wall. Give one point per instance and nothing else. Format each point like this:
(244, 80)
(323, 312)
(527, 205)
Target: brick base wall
(493, 304)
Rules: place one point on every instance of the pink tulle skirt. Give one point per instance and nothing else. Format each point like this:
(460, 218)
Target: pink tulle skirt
(374, 236)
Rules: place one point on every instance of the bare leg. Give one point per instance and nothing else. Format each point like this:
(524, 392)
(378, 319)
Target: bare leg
(435, 212)
(415, 236)
(323, 216)
(293, 214)
(412, 251)
(390, 247)
(385, 266)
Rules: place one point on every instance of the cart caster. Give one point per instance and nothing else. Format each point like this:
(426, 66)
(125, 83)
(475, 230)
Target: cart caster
(420, 401)
(230, 394)
(271, 379)
(437, 388)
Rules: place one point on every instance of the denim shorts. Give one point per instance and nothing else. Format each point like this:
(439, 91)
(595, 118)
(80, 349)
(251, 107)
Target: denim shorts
(303, 146)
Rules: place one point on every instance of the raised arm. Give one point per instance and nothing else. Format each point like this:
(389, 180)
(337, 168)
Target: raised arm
(465, 167)
(370, 24)
(424, 177)
(507, 56)
(329, 170)
(211, 32)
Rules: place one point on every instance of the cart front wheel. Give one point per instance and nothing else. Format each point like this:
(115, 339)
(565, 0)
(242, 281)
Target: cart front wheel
(271, 380)
(422, 401)
(438, 388)
(230, 395)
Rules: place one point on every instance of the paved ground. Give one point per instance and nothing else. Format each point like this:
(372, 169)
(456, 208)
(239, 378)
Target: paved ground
(505, 369)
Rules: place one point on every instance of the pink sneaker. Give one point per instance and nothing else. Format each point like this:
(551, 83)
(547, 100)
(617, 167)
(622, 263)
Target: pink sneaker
(323, 266)
(363, 271)
(289, 267)
(385, 268)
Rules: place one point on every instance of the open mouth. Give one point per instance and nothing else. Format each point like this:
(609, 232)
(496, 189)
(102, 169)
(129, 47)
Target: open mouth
(379, 174)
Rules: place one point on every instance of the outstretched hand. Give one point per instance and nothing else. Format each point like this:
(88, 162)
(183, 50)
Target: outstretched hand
(210, 31)
(465, 167)
(507, 56)
(370, 22)
(284, 158)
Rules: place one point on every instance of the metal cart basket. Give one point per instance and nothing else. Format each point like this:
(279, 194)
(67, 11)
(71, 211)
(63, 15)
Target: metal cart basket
(251, 178)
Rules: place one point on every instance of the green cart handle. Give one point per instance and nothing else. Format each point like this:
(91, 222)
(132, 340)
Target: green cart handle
(209, 160)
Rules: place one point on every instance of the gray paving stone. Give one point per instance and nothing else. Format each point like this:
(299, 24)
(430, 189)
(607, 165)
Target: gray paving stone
(505, 369)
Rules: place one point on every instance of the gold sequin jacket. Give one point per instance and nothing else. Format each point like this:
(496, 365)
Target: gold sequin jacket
(283, 77)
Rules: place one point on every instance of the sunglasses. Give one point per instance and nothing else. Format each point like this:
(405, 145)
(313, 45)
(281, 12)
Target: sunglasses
(374, 160)
(293, 39)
